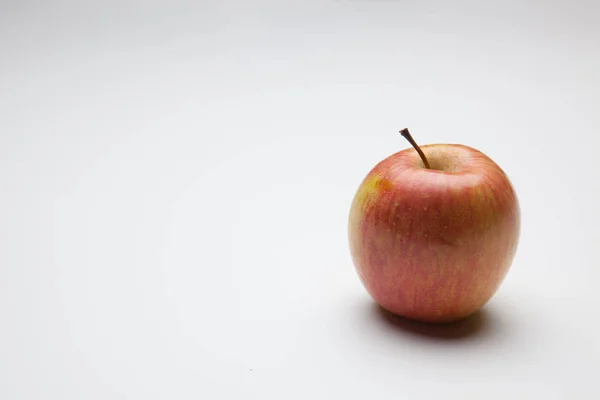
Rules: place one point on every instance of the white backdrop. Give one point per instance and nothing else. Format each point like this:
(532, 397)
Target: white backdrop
(176, 180)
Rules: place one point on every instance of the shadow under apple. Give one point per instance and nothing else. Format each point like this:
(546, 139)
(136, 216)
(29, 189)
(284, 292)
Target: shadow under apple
(470, 327)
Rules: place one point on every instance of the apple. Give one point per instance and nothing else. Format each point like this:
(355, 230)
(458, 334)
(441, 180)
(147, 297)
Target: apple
(433, 231)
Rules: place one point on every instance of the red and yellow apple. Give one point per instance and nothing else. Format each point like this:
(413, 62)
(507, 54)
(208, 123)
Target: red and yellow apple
(432, 237)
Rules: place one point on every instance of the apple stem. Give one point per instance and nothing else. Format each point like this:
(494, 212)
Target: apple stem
(404, 132)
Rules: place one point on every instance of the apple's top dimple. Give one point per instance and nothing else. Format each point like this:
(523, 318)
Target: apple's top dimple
(453, 166)
(444, 158)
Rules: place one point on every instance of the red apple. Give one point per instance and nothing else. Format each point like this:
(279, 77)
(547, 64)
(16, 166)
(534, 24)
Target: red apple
(432, 237)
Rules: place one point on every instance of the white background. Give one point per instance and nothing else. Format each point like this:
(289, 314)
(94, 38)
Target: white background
(176, 179)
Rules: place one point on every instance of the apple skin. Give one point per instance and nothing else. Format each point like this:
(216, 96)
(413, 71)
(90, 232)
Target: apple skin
(434, 245)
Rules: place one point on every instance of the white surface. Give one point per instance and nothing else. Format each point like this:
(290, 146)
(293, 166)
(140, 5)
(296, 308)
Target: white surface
(176, 181)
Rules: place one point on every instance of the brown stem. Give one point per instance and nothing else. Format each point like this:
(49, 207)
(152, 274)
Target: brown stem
(404, 132)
